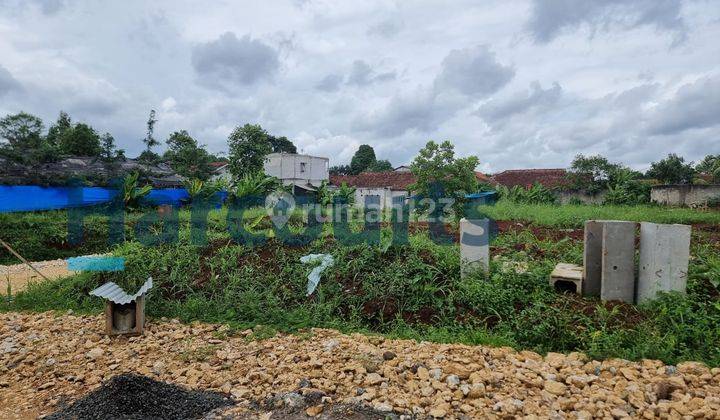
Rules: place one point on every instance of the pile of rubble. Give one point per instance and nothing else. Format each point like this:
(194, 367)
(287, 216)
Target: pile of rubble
(49, 361)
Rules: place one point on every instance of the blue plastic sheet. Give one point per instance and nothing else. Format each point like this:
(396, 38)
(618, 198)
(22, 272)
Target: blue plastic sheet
(34, 198)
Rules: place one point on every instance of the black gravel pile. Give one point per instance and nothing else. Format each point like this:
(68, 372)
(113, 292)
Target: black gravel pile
(138, 397)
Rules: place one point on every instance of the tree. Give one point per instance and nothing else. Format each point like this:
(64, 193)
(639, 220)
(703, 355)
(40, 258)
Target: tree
(672, 170)
(340, 170)
(248, 146)
(710, 165)
(58, 128)
(364, 157)
(593, 173)
(281, 145)
(80, 140)
(440, 175)
(380, 166)
(149, 139)
(22, 131)
(186, 157)
(107, 148)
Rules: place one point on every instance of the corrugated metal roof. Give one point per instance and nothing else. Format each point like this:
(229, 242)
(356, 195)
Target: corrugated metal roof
(115, 294)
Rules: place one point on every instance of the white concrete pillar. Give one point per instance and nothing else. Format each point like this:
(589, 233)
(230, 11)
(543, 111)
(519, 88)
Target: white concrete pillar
(618, 261)
(664, 256)
(474, 245)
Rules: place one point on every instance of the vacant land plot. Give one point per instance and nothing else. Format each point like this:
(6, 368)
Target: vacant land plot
(408, 291)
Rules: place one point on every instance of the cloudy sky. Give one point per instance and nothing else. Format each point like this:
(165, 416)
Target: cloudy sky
(517, 83)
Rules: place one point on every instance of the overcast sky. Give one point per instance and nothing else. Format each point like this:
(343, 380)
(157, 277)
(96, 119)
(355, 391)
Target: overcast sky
(520, 84)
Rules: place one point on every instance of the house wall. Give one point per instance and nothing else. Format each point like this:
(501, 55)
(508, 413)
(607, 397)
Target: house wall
(292, 168)
(566, 197)
(684, 195)
(386, 196)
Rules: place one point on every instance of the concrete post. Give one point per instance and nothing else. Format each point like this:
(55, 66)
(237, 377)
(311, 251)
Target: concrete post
(474, 245)
(664, 256)
(592, 258)
(618, 261)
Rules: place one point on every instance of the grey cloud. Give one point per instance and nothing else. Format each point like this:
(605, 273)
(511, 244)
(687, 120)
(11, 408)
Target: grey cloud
(230, 62)
(695, 105)
(385, 29)
(420, 111)
(329, 83)
(473, 72)
(7, 82)
(362, 74)
(537, 97)
(47, 7)
(550, 18)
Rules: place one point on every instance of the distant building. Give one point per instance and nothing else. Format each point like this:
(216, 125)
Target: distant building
(386, 185)
(549, 178)
(305, 172)
(402, 168)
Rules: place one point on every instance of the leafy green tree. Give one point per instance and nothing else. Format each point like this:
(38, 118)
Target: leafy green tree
(380, 166)
(340, 170)
(108, 150)
(672, 170)
(710, 165)
(80, 140)
(592, 173)
(363, 158)
(281, 145)
(438, 172)
(58, 128)
(186, 157)
(248, 146)
(22, 131)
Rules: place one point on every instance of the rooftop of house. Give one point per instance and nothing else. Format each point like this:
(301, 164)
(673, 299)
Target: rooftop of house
(392, 179)
(526, 177)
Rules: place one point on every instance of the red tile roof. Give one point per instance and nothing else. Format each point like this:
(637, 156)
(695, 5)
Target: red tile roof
(549, 178)
(218, 164)
(391, 179)
(481, 177)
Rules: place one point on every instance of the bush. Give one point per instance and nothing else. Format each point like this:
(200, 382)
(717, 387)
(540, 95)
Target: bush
(535, 194)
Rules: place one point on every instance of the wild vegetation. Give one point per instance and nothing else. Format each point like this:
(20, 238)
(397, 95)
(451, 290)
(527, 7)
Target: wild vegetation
(406, 291)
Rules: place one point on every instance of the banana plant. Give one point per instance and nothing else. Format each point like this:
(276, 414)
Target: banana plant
(131, 193)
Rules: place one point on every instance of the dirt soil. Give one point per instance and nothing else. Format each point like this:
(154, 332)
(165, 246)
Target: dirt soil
(20, 275)
(49, 361)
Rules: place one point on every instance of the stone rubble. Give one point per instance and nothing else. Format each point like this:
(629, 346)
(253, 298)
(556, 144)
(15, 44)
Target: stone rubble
(47, 360)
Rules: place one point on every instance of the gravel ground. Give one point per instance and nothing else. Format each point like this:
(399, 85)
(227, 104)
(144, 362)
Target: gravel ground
(49, 361)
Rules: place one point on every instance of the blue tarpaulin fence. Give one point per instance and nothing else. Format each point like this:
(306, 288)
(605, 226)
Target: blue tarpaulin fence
(33, 198)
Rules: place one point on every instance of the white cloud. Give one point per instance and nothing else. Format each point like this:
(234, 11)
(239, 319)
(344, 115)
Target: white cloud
(591, 76)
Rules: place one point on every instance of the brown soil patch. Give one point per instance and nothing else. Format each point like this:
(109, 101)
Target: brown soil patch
(19, 276)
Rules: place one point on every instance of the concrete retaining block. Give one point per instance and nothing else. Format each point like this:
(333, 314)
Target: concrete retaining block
(664, 256)
(474, 245)
(592, 258)
(618, 261)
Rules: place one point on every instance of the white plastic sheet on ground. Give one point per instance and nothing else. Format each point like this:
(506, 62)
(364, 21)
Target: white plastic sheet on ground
(326, 260)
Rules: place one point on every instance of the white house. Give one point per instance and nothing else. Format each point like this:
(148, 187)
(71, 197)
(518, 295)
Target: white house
(303, 171)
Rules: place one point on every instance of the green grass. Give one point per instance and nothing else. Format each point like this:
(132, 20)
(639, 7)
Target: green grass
(569, 216)
(412, 291)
